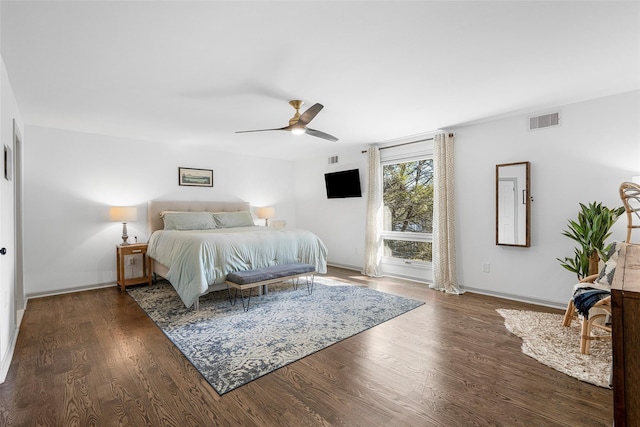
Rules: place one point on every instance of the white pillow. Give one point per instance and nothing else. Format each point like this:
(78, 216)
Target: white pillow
(606, 274)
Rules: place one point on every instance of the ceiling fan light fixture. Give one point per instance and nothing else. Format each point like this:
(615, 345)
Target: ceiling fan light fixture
(298, 131)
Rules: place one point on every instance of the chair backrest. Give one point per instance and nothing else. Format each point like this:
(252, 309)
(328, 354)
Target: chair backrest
(630, 195)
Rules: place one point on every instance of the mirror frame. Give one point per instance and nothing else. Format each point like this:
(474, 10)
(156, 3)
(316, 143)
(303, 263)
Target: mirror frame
(526, 199)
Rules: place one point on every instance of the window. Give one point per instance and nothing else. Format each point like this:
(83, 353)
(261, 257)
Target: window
(408, 209)
(407, 170)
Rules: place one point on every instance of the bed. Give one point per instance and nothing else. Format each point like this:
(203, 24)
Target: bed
(196, 254)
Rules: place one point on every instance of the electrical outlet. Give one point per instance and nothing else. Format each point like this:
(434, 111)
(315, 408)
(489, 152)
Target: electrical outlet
(132, 261)
(486, 267)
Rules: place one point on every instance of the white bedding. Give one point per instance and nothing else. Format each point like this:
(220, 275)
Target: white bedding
(198, 259)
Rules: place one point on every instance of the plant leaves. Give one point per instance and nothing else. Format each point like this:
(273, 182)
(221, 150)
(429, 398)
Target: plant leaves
(590, 231)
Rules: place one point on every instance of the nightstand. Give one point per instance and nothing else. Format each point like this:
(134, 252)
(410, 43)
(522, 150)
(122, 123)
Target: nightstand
(134, 249)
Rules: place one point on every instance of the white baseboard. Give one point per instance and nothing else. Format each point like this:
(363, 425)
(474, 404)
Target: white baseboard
(512, 297)
(70, 290)
(347, 267)
(535, 301)
(395, 276)
(407, 278)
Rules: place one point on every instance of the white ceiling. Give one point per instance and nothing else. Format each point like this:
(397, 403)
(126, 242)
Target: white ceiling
(193, 73)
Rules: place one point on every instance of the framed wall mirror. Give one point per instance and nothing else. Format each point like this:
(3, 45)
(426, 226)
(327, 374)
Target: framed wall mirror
(513, 204)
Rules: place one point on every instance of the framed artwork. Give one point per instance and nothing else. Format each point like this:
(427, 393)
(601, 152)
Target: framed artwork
(195, 177)
(8, 163)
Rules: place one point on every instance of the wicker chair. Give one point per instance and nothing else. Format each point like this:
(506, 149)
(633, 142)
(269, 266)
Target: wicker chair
(598, 314)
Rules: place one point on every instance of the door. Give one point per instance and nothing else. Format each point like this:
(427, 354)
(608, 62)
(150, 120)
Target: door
(7, 245)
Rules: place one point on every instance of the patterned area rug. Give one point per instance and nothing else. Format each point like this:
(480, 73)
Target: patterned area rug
(546, 340)
(231, 347)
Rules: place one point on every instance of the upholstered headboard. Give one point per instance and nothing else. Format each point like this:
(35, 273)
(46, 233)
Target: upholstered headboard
(157, 206)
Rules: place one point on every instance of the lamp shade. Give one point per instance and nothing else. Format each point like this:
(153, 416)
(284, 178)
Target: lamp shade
(123, 213)
(266, 212)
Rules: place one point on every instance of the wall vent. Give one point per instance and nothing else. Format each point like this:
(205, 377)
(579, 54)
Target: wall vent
(544, 121)
(333, 160)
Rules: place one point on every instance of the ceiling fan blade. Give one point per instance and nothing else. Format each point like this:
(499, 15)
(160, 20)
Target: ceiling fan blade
(262, 130)
(308, 115)
(322, 135)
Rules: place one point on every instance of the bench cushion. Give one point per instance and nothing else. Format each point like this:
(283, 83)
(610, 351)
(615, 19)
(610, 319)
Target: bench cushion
(268, 273)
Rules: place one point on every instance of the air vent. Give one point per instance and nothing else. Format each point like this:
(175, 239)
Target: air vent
(333, 160)
(544, 121)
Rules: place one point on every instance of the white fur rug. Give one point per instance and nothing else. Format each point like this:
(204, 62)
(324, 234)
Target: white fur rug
(546, 340)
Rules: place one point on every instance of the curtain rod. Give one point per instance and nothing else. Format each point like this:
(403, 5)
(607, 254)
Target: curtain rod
(405, 143)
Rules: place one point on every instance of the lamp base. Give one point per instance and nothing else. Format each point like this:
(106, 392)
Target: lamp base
(125, 237)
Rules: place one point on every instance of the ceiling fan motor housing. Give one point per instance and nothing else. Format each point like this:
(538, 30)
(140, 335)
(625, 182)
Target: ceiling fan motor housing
(296, 103)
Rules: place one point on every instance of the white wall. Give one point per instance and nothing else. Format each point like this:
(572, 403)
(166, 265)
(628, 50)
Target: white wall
(72, 178)
(8, 327)
(596, 148)
(584, 160)
(340, 223)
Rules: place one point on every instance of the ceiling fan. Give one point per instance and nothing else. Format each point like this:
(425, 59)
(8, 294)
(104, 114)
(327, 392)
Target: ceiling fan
(298, 123)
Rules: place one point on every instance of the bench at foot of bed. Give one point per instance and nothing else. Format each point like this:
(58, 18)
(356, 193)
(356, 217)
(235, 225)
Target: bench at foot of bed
(261, 278)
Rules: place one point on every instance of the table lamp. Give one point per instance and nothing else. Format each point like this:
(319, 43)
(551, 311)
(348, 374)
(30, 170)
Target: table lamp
(266, 213)
(123, 214)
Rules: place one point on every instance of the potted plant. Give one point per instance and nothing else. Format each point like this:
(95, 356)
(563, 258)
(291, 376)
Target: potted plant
(590, 231)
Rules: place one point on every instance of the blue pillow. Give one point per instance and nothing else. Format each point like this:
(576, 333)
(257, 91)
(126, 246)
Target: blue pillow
(188, 221)
(233, 219)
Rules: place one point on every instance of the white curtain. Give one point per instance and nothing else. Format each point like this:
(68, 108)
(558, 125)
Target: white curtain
(444, 238)
(373, 242)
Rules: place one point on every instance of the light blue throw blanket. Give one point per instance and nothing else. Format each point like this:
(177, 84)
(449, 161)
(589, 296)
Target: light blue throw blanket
(197, 259)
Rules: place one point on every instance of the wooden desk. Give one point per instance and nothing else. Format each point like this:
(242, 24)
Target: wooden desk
(625, 319)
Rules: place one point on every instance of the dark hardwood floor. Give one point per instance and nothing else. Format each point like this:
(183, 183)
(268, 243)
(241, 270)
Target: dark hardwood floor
(95, 359)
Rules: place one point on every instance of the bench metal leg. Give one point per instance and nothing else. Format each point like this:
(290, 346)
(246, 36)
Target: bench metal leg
(309, 283)
(245, 305)
(231, 301)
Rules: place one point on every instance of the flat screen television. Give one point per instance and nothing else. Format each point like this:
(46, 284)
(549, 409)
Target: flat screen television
(343, 184)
